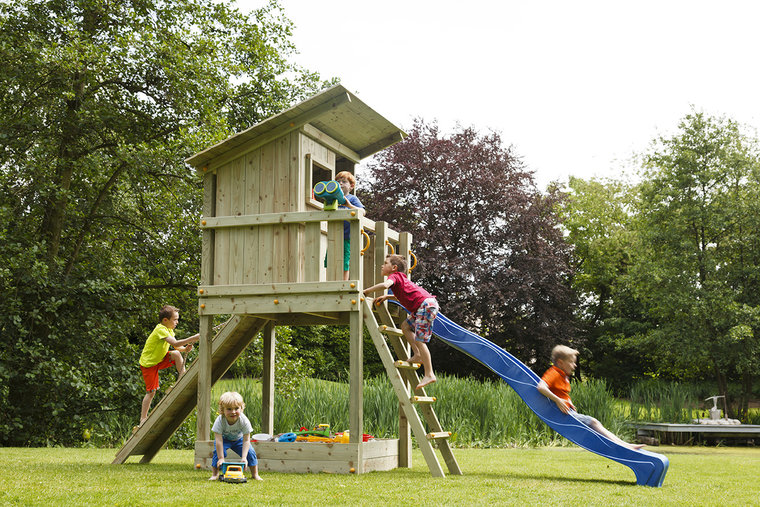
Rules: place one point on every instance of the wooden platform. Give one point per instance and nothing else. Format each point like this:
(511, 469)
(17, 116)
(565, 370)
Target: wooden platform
(680, 433)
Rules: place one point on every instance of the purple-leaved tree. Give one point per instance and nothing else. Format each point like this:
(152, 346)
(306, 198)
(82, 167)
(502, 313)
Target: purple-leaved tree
(488, 242)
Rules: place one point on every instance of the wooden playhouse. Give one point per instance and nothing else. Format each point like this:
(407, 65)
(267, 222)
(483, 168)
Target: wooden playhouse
(265, 238)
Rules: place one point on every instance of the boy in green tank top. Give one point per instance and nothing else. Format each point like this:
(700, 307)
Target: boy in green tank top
(156, 355)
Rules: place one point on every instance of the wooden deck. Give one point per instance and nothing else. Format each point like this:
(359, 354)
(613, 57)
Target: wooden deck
(684, 433)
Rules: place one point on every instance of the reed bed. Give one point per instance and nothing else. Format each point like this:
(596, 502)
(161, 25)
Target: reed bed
(482, 414)
(670, 402)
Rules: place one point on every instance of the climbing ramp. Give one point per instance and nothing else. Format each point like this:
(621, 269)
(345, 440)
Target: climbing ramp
(171, 410)
(649, 467)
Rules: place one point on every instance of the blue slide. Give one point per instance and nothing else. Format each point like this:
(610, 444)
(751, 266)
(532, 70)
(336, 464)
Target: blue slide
(649, 467)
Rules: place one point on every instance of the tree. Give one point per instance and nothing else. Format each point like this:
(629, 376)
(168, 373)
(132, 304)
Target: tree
(100, 104)
(599, 217)
(488, 243)
(699, 266)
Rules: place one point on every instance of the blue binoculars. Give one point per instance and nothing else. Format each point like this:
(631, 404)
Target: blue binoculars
(331, 193)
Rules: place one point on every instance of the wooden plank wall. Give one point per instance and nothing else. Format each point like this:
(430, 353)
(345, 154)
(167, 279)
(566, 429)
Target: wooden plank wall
(266, 204)
(222, 237)
(315, 457)
(236, 207)
(274, 178)
(252, 206)
(271, 178)
(296, 202)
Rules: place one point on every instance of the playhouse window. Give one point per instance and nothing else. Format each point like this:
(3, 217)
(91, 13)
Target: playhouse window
(317, 173)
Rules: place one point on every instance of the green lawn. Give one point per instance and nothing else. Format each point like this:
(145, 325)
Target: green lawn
(556, 475)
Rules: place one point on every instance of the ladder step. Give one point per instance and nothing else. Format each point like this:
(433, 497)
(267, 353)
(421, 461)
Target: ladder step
(391, 330)
(400, 380)
(405, 365)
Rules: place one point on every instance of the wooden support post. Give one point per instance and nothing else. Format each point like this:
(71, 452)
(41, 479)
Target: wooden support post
(208, 255)
(404, 431)
(356, 376)
(404, 437)
(404, 247)
(208, 235)
(203, 429)
(267, 380)
(368, 259)
(381, 235)
(356, 367)
(356, 267)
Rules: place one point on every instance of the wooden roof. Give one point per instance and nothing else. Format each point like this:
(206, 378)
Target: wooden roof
(334, 111)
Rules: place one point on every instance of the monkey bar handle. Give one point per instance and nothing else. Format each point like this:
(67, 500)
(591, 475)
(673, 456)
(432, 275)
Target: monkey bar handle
(364, 233)
(414, 261)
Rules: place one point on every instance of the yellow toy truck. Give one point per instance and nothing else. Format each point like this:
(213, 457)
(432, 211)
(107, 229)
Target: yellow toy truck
(232, 472)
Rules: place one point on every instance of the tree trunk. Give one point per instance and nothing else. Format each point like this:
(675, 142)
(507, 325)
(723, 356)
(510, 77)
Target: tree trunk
(88, 222)
(55, 208)
(723, 391)
(743, 411)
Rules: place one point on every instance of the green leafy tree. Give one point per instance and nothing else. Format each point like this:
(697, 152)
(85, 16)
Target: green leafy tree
(599, 216)
(699, 264)
(100, 102)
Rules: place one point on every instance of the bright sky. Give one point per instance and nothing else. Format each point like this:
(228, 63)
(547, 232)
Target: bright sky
(576, 87)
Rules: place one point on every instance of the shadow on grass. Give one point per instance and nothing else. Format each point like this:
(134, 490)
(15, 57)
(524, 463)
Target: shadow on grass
(549, 478)
(164, 467)
(415, 474)
(128, 468)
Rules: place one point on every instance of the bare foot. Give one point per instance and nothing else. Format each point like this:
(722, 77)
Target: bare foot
(414, 359)
(213, 478)
(257, 478)
(426, 381)
(636, 447)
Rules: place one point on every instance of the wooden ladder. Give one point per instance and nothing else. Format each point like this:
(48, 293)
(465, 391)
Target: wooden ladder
(403, 375)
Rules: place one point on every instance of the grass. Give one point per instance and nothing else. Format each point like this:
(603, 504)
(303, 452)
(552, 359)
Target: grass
(555, 475)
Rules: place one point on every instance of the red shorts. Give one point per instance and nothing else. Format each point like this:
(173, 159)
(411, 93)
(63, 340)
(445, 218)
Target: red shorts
(150, 375)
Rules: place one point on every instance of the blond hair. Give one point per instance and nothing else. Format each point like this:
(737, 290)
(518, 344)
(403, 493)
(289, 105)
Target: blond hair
(563, 352)
(230, 399)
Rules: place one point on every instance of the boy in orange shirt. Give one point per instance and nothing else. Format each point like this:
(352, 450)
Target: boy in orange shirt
(555, 385)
